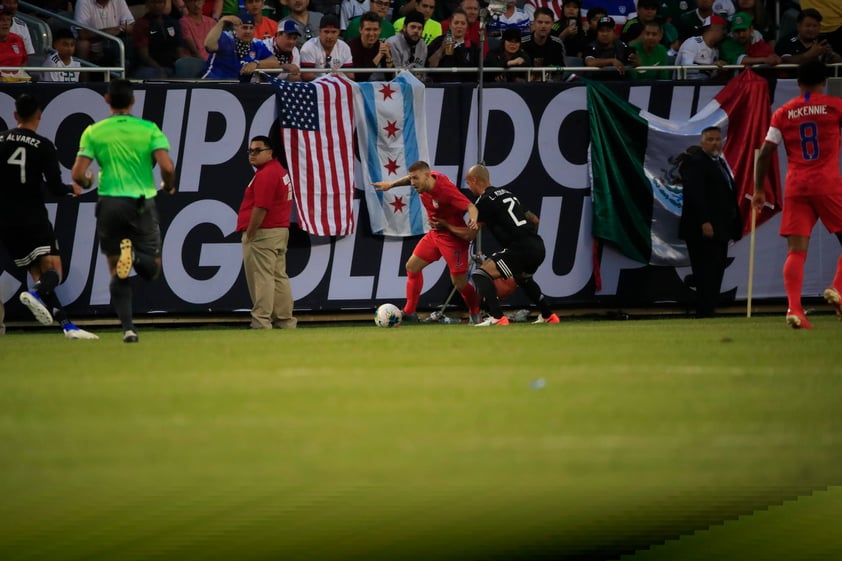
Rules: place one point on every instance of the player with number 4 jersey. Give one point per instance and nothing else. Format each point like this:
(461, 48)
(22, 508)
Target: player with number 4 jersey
(809, 127)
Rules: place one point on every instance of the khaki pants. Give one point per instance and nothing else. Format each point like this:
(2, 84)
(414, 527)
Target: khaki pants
(265, 264)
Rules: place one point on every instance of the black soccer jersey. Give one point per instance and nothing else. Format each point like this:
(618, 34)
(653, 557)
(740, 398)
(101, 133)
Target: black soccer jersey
(27, 161)
(501, 212)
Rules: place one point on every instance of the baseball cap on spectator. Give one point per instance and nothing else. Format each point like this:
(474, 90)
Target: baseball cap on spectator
(289, 28)
(246, 18)
(329, 20)
(714, 20)
(605, 22)
(414, 17)
(740, 21)
(512, 34)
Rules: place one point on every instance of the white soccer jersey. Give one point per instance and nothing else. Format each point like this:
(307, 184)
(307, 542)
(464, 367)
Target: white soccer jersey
(20, 28)
(313, 55)
(54, 61)
(694, 51)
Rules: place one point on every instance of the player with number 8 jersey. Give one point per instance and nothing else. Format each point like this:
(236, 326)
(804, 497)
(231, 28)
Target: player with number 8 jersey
(809, 127)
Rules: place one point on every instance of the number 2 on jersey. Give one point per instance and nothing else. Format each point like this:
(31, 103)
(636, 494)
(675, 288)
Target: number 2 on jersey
(809, 140)
(512, 202)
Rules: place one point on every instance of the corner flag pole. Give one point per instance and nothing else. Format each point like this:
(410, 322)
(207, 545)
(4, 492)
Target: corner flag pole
(751, 244)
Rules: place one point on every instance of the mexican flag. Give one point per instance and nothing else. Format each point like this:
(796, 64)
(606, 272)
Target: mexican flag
(635, 183)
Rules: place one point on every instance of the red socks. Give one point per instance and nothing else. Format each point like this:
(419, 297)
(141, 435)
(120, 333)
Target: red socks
(794, 278)
(837, 280)
(414, 284)
(469, 294)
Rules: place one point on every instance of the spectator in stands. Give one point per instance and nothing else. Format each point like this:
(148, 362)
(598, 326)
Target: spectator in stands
(212, 9)
(703, 50)
(647, 11)
(607, 51)
(511, 17)
(649, 50)
(12, 50)
(741, 48)
(618, 10)
(542, 47)
(460, 53)
(444, 9)
(64, 45)
(195, 27)
(831, 28)
(690, 23)
(671, 10)
(761, 20)
(351, 9)
(236, 55)
(431, 29)
(381, 8)
(63, 8)
(326, 51)
(554, 6)
(369, 50)
(408, 50)
(264, 28)
(509, 54)
(806, 44)
(230, 7)
(594, 15)
(471, 8)
(19, 26)
(288, 55)
(569, 28)
(306, 21)
(158, 43)
(109, 16)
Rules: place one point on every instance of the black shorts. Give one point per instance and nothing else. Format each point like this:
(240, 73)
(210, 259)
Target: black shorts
(28, 241)
(521, 259)
(118, 218)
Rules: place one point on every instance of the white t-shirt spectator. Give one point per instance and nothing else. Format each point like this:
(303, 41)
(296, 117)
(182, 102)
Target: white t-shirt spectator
(20, 28)
(313, 55)
(113, 14)
(694, 51)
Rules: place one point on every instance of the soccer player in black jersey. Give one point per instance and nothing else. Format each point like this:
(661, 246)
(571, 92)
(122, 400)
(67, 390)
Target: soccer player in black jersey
(516, 230)
(28, 161)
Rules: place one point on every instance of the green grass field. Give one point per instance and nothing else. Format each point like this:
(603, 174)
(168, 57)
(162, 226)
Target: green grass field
(424, 442)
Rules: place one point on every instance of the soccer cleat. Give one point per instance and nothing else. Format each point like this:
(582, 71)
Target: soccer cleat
(73, 332)
(129, 336)
(797, 320)
(124, 263)
(552, 319)
(831, 295)
(411, 318)
(492, 321)
(31, 300)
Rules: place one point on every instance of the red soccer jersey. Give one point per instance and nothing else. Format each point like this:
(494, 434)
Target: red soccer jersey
(445, 202)
(809, 127)
(270, 188)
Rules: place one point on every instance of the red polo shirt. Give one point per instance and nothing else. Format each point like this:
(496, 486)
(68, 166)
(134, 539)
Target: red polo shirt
(270, 188)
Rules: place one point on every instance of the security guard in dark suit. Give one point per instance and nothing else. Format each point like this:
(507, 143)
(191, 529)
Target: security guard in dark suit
(710, 217)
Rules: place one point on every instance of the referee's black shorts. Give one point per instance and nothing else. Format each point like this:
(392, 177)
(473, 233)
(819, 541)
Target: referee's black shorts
(27, 240)
(521, 259)
(118, 218)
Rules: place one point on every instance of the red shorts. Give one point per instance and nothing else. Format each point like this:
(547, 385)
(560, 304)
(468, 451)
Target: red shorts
(435, 245)
(800, 213)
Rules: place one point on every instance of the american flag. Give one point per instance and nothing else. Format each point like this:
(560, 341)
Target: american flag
(316, 120)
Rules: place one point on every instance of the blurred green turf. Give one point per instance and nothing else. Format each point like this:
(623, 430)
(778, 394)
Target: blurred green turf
(423, 442)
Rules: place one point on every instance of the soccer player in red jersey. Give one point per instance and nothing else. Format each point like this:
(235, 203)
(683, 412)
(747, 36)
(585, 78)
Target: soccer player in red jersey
(444, 202)
(809, 127)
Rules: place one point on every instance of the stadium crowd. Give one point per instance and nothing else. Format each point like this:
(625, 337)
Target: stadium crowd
(238, 39)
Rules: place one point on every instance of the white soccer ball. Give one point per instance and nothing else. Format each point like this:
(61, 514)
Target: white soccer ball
(388, 315)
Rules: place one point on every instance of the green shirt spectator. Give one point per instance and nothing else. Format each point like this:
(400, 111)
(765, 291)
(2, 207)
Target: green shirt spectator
(386, 29)
(657, 57)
